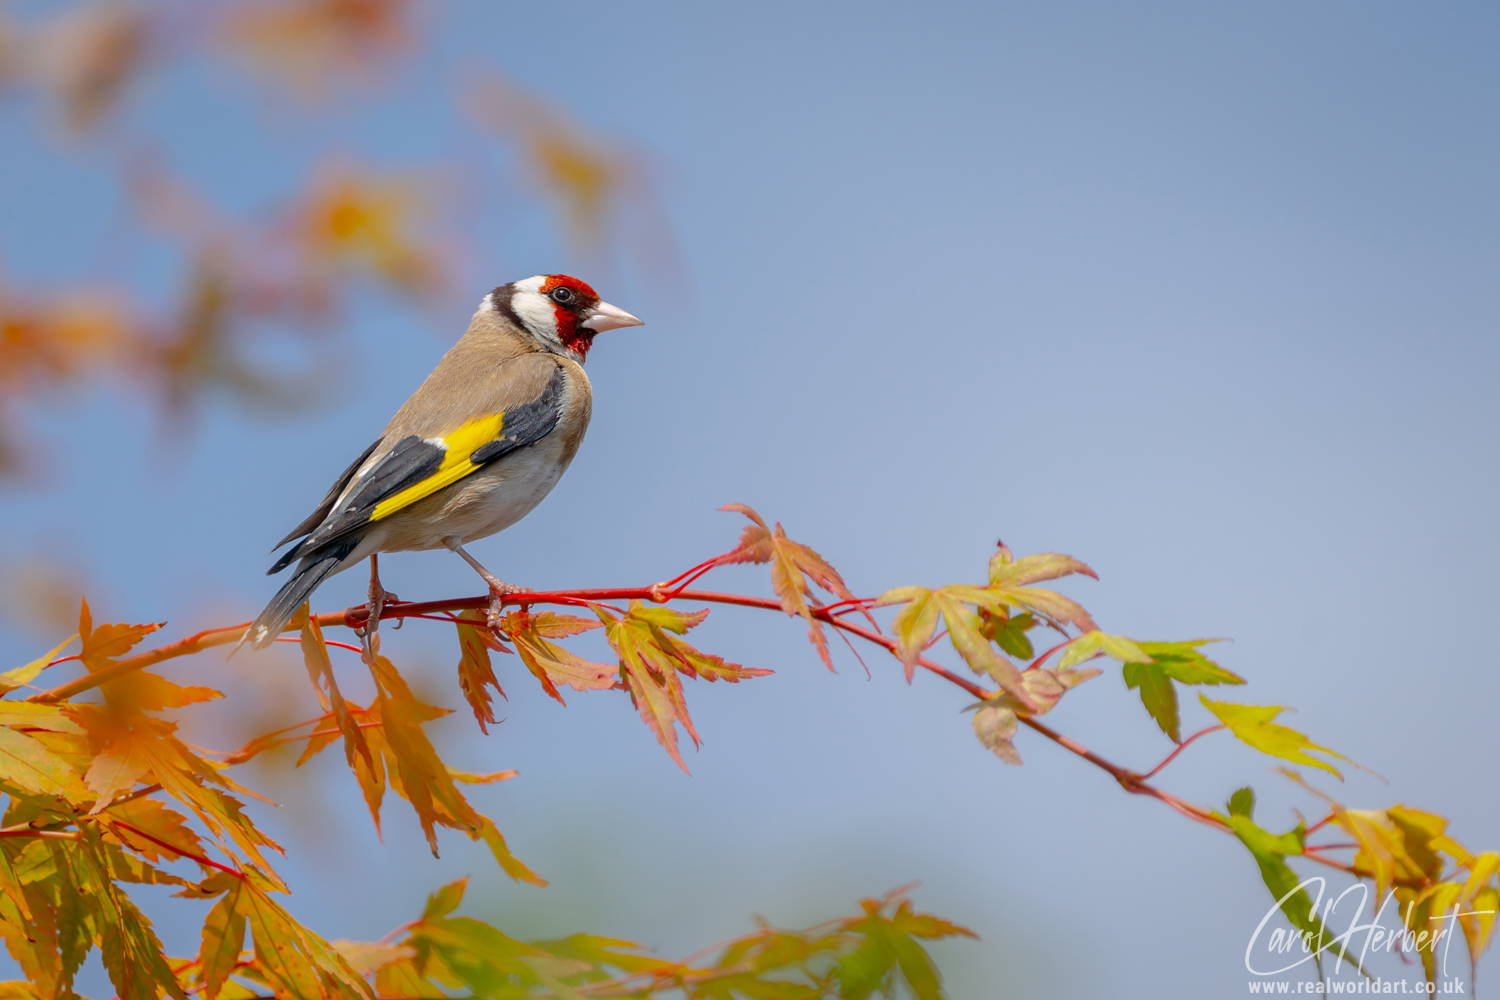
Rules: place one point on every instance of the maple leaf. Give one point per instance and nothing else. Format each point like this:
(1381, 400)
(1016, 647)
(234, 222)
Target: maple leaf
(37, 717)
(1092, 644)
(1253, 725)
(996, 725)
(309, 42)
(1382, 852)
(148, 816)
(792, 564)
(352, 223)
(116, 769)
(915, 625)
(1164, 663)
(996, 720)
(651, 660)
(1270, 851)
(223, 938)
(21, 676)
(102, 645)
(469, 778)
(1478, 903)
(475, 672)
(1010, 578)
(290, 956)
(582, 174)
(28, 766)
(87, 57)
(151, 692)
(549, 663)
(132, 954)
(888, 948)
(508, 862)
(417, 772)
(1401, 843)
(184, 775)
(1008, 631)
(368, 957)
(139, 690)
(320, 671)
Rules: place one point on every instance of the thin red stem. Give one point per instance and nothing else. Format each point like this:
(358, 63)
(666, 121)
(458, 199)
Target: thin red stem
(1180, 747)
(1040, 659)
(139, 793)
(1129, 780)
(855, 603)
(179, 851)
(240, 756)
(659, 592)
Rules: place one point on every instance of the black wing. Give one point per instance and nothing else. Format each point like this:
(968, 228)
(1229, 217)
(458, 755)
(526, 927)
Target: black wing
(316, 517)
(414, 460)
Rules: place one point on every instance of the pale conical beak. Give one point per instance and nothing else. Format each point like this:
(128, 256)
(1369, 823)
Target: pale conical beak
(607, 317)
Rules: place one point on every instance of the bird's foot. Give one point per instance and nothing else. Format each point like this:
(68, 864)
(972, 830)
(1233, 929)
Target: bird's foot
(374, 608)
(499, 591)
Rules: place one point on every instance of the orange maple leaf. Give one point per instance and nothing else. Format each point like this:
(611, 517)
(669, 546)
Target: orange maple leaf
(550, 663)
(651, 660)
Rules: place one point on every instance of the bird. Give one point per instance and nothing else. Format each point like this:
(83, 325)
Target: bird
(479, 444)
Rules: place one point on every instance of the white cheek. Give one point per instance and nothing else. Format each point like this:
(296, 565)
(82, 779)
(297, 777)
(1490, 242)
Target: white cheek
(537, 313)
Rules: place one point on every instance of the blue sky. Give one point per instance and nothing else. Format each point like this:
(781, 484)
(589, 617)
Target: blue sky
(1205, 295)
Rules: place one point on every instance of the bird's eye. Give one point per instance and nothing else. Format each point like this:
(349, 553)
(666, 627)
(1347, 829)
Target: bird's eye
(562, 296)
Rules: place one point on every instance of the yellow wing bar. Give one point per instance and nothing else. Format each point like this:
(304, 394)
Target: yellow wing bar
(461, 444)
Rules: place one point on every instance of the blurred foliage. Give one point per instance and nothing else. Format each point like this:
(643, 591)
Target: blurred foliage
(285, 270)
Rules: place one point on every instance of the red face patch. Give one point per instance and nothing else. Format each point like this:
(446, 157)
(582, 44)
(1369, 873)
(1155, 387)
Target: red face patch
(569, 298)
(581, 288)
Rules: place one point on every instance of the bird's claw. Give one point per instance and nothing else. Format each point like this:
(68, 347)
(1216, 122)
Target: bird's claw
(498, 593)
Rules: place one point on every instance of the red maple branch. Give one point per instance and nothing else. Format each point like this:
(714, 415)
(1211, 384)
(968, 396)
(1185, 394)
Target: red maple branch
(355, 617)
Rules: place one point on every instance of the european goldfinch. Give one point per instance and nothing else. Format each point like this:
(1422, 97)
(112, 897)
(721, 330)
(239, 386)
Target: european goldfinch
(474, 450)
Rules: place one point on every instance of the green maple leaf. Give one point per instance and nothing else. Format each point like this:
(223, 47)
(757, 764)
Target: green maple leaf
(1164, 664)
(1009, 631)
(1270, 851)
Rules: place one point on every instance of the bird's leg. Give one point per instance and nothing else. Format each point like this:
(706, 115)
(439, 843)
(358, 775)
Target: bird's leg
(499, 589)
(375, 607)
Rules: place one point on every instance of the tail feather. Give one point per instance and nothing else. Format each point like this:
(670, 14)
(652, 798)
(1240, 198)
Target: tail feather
(316, 568)
(288, 557)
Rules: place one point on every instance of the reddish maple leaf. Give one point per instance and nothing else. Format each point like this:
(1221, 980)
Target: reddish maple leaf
(792, 564)
(475, 672)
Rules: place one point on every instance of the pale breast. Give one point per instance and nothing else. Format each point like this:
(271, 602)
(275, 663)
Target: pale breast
(497, 496)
